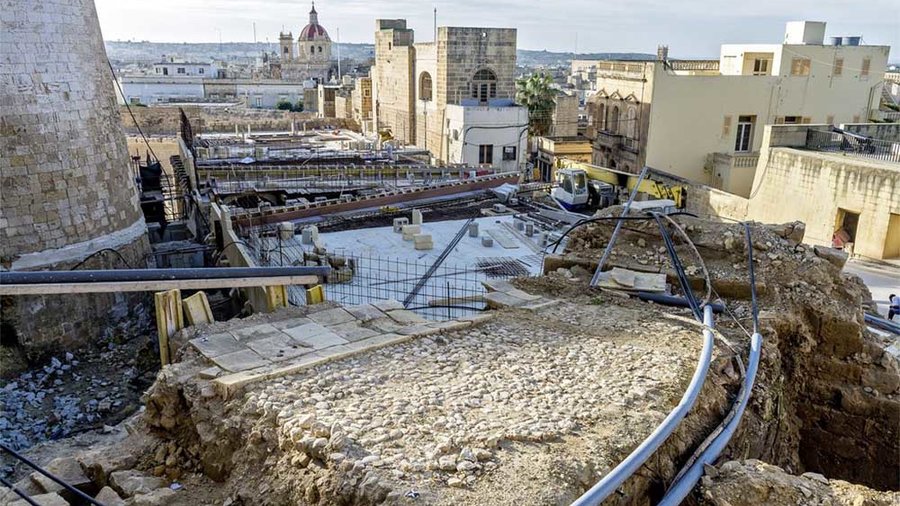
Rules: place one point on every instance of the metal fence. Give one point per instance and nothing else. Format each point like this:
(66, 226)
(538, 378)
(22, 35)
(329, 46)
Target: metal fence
(439, 293)
(842, 142)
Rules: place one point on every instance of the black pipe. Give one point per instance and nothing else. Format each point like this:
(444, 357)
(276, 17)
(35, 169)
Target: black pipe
(115, 275)
(671, 300)
(81, 495)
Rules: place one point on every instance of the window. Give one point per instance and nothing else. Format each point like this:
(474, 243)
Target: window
(286, 49)
(367, 92)
(258, 101)
(838, 66)
(509, 153)
(134, 100)
(486, 154)
(200, 70)
(601, 116)
(613, 121)
(760, 67)
(157, 70)
(165, 71)
(793, 120)
(866, 64)
(425, 86)
(744, 138)
(181, 70)
(320, 49)
(800, 67)
(484, 85)
(631, 127)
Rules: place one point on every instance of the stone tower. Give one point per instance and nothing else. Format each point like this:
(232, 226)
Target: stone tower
(286, 42)
(66, 187)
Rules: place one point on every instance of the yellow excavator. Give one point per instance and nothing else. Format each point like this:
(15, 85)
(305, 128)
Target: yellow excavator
(582, 186)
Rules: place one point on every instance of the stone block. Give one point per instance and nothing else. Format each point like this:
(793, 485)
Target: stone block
(52, 499)
(487, 242)
(416, 217)
(387, 305)
(108, 497)
(66, 469)
(409, 231)
(352, 331)
(210, 372)
(278, 348)
(216, 345)
(313, 337)
(330, 317)
(227, 386)
(405, 317)
(473, 229)
(131, 482)
(423, 242)
(255, 332)
(240, 361)
(365, 312)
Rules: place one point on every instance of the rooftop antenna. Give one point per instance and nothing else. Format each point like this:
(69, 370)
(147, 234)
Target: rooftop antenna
(339, 53)
(576, 44)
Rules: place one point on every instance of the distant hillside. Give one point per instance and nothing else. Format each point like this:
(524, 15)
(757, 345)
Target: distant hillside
(124, 52)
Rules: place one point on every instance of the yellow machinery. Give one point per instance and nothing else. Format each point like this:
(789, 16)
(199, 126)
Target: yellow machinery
(652, 184)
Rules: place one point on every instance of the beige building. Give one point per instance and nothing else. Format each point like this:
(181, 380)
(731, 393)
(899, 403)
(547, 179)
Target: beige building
(703, 120)
(453, 97)
(361, 98)
(550, 149)
(308, 58)
(565, 115)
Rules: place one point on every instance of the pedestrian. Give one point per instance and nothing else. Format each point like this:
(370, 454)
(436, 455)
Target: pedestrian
(893, 306)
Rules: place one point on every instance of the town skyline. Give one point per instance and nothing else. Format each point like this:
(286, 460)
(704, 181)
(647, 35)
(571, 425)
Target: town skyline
(696, 29)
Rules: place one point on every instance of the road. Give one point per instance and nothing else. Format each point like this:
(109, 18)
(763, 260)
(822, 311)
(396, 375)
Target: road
(882, 281)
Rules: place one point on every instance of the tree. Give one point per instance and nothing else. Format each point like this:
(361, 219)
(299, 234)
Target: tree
(283, 105)
(536, 93)
(298, 107)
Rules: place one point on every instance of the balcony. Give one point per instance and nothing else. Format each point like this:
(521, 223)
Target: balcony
(735, 160)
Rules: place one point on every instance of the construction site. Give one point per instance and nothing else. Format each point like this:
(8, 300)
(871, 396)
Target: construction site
(311, 316)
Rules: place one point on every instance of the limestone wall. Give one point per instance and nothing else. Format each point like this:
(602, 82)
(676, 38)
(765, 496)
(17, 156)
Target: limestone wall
(64, 167)
(463, 51)
(812, 187)
(393, 81)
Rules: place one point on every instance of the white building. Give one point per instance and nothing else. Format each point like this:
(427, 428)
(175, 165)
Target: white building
(703, 120)
(175, 68)
(258, 93)
(487, 136)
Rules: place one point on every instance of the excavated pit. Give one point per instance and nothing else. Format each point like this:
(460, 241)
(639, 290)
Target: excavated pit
(826, 395)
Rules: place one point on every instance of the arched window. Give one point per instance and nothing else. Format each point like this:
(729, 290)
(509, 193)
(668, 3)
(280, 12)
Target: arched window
(613, 120)
(312, 49)
(631, 127)
(425, 86)
(285, 50)
(601, 116)
(484, 85)
(320, 49)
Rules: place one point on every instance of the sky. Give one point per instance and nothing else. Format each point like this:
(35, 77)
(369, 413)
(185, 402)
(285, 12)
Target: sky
(691, 28)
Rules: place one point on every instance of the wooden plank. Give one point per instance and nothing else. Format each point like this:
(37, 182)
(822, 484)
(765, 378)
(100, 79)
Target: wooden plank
(153, 286)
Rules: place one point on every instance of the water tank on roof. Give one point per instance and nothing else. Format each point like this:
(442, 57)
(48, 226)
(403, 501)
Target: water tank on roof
(851, 41)
(836, 41)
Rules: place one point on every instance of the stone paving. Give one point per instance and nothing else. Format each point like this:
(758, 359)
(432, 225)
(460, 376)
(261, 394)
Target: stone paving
(246, 354)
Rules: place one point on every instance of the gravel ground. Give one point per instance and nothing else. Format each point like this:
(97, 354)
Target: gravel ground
(529, 406)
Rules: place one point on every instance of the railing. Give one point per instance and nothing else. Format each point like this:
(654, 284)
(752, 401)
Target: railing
(608, 139)
(735, 160)
(837, 141)
(891, 115)
(708, 65)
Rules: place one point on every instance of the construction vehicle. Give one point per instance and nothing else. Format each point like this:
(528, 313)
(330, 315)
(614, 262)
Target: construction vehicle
(582, 186)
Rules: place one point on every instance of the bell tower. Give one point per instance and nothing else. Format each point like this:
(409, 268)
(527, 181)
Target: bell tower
(286, 41)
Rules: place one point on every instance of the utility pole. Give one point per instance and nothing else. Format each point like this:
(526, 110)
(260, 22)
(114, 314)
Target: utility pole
(254, 32)
(339, 53)
(435, 26)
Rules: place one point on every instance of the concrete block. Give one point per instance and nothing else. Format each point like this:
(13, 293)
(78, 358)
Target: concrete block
(416, 217)
(529, 229)
(410, 231)
(399, 223)
(520, 225)
(423, 242)
(487, 242)
(473, 229)
(286, 230)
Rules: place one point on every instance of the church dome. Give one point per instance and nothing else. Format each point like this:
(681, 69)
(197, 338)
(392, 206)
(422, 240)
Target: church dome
(313, 31)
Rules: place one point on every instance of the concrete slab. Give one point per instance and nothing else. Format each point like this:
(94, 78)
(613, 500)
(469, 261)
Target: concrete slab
(497, 285)
(519, 294)
(227, 386)
(352, 331)
(405, 317)
(306, 331)
(278, 348)
(378, 341)
(499, 300)
(210, 372)
(216, 345)
(240, 361)
(331, 317)
(261, 331)
(365, 312)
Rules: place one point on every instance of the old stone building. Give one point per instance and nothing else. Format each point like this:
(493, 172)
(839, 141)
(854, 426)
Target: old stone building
(453, 97)
(312, 58)
(361, 98)
(67, 189)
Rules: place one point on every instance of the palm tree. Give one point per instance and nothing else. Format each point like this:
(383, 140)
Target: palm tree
(536, 93)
